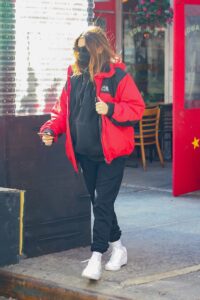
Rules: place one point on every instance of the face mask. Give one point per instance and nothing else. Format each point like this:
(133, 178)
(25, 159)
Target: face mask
(83, 57)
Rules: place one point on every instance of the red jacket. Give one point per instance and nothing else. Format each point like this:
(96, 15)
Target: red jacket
(128, 106)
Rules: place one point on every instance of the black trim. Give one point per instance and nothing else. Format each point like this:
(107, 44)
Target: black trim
(111, 107)
(48, 131)
(113, 82)
(124, 124)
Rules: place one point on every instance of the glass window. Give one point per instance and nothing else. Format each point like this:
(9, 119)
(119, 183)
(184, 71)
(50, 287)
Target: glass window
(192, 56)
(36, 41)
(143, 54)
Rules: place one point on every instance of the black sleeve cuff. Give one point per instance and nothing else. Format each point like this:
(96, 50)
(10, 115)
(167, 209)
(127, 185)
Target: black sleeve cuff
(111, 107)
(49, 131)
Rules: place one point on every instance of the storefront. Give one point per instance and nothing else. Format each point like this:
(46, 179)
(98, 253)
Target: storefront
(147, 53)
(164, 62)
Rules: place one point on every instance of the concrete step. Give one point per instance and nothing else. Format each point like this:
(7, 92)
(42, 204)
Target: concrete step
(29, 288)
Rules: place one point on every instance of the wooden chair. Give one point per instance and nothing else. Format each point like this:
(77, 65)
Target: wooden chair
(165, 130)
(148, 133)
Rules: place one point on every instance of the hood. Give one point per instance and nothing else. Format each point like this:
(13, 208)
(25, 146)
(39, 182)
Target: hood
(111, 70)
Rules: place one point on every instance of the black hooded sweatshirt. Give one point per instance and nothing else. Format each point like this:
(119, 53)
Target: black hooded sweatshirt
(84, 120)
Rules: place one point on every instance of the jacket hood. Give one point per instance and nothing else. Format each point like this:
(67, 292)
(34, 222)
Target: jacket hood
(110, 71)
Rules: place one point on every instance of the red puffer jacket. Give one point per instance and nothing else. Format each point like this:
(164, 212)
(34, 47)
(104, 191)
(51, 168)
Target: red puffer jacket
(117, 140)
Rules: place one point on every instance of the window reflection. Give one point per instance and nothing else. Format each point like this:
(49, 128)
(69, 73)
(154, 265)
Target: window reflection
(144, 57)
(192, 56)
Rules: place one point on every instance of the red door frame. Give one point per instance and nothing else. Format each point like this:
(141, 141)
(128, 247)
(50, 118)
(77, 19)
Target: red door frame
(107, 11)
(186, 122)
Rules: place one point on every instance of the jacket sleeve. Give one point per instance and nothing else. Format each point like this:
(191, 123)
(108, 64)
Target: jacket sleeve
(57, 123)
(129, 105)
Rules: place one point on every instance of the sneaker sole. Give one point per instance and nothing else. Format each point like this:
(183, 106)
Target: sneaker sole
(115, 269)
(107, 268)
(91, 277)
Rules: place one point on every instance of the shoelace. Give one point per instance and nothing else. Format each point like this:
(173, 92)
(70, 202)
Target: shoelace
(84, 261)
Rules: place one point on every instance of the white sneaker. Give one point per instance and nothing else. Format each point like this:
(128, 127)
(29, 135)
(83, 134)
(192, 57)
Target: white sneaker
(117, 260)
(93, 269)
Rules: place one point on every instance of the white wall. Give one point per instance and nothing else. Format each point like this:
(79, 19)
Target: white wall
(45, 32)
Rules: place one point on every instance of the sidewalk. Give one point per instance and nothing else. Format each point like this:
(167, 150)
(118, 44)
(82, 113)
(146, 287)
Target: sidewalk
(162, 235)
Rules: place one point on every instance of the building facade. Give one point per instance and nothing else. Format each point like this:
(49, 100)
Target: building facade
(36, 41)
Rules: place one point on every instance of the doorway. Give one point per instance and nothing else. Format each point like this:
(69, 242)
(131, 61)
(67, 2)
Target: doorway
(144, 53)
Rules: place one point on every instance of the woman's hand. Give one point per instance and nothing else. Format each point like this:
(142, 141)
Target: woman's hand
(47, 138)
(101, 107)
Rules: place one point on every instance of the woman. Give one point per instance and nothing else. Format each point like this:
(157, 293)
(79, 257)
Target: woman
(96, 109)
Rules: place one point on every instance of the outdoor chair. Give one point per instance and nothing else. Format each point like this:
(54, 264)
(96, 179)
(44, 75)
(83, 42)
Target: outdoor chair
(165, 130)
(148, 133)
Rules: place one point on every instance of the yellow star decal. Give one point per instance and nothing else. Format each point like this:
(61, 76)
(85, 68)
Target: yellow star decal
(195, 143)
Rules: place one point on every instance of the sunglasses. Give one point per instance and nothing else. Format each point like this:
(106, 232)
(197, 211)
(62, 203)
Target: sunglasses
(80, 49)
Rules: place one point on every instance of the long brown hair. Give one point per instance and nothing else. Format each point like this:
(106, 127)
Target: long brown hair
(95, 39)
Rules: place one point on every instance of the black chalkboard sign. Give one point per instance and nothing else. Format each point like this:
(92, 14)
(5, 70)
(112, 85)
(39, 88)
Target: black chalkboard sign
(10, 226)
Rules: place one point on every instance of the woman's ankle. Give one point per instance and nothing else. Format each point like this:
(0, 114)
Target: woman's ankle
(96, 255)
(117, 244)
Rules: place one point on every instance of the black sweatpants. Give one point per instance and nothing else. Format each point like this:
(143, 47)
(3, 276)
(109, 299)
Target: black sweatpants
(103, 183)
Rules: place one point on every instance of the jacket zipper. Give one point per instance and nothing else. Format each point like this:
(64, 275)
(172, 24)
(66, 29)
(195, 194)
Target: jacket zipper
(100, 124)
(100, 131)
